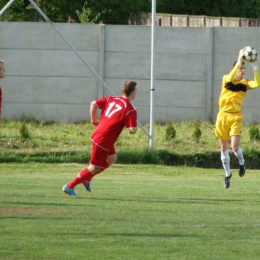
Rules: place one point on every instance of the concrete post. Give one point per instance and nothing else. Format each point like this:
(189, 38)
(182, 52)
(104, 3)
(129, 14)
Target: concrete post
(209, 90)
(101, 55)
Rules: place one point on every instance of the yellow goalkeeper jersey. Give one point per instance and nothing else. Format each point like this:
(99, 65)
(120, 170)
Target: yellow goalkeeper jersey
(233, 91)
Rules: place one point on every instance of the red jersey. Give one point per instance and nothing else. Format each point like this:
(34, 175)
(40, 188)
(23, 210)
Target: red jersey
(116, 113)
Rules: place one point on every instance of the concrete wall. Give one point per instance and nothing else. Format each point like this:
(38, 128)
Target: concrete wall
(47, 81)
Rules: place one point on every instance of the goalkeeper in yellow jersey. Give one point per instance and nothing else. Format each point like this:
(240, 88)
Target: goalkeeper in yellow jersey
(229, 118)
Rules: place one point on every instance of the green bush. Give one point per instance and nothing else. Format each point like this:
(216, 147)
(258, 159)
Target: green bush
(254, 132)
(170, 132)
(24, 132)
(197, 131)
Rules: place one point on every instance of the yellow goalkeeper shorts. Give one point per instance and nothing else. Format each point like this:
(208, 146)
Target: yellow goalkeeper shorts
(228, 124)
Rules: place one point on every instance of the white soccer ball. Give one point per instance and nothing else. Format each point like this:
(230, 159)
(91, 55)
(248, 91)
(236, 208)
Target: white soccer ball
(250, 53)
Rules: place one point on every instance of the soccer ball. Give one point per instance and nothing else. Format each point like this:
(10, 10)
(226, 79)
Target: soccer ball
(250, 53)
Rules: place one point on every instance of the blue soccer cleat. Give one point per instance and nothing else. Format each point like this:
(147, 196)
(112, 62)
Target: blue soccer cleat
(70, 192)
(87, 185)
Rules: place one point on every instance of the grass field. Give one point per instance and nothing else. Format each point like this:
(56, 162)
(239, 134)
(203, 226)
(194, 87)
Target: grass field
(134, 212)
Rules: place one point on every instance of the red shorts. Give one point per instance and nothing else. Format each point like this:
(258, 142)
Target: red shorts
(99, 156)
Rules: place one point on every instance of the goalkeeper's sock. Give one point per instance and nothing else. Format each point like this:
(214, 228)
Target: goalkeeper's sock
(225, 159)
(84, 175)
(239, 155)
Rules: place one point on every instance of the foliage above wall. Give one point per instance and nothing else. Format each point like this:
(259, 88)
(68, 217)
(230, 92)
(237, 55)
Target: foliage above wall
(118, 11)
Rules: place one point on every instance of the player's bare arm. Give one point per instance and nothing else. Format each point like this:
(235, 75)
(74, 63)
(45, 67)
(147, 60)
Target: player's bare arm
(93, 113)
(2, 69)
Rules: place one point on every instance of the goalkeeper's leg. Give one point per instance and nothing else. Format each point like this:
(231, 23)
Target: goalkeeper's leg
(225, 159)
(235, 142)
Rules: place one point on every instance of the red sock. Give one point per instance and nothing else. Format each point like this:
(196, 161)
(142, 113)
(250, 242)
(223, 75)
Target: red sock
(84, 175)
(90, 177)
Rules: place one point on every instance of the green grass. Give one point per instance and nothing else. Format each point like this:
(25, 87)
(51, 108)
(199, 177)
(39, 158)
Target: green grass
(53, 137)
(134, 212)
(70, 143)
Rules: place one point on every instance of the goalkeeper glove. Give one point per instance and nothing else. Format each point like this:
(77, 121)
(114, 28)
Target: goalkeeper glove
(240, 58)
(254, 64)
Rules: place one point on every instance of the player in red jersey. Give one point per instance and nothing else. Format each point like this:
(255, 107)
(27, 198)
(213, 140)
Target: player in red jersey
(117, 113)
(2, 75)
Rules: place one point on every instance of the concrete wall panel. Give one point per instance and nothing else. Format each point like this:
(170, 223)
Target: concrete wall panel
(45, 79)
(58, 63)
(181, 40)
(131, 38)
(125, 65)
(178, 93)
(51, 90)
(230, 40)
(176, 66)
(38, 36)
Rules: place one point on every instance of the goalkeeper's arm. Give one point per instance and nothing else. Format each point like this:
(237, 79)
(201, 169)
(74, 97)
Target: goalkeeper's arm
(239, 62)
(256, 82)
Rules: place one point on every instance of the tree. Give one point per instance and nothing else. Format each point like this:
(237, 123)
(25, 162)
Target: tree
(56, 10)
(111, 11)
(225, 8)
(91, 11)
(17, 12)
(118, 11)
